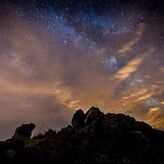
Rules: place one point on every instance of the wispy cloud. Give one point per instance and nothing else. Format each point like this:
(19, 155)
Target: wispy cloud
(47, 72)
(129, 68)
(130, 44)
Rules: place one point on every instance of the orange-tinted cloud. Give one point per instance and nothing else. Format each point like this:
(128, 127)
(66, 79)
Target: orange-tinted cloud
(129, 68)
(130, 44)
(43, 80)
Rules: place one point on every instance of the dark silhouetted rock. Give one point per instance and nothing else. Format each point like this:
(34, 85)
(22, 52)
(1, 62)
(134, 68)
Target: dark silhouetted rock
(93, 138)
(92, 114)
(23, 132)
(78, 119)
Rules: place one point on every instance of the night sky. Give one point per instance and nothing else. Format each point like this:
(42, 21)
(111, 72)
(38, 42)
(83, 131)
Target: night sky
(57, 56)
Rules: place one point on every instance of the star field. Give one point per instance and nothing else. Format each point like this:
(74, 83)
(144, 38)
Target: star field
(57, 56)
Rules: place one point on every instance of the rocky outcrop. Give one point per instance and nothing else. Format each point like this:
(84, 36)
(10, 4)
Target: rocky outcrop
(23, 132)
(78, 119)
(93, 137)
(92, 115)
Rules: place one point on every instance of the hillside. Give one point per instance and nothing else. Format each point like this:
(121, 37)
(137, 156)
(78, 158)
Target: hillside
(92, 137)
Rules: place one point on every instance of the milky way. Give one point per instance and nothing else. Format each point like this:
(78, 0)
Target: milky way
(53, 62)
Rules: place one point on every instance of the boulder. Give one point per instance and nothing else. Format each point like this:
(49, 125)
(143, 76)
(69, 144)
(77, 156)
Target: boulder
(78, 119)
(23, 132)
(92, 114)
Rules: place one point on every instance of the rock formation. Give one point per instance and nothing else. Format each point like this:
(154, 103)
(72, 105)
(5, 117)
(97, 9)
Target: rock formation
(93, 138)
(23, 132)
